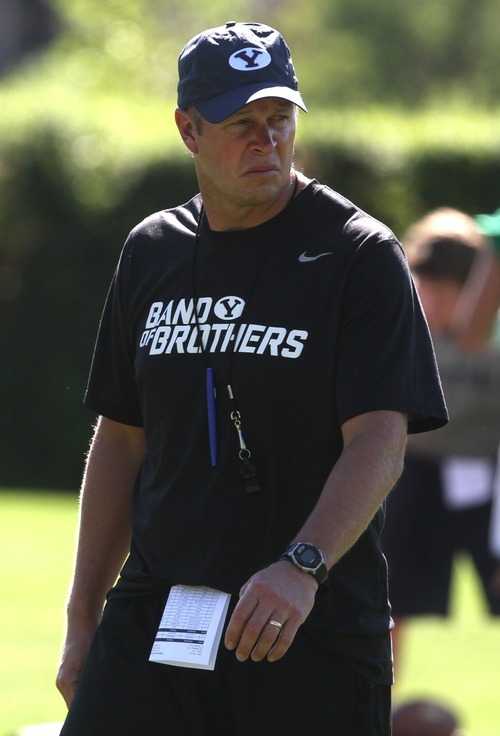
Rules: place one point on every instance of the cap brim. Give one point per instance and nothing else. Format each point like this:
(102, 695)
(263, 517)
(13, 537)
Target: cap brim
(221, 107)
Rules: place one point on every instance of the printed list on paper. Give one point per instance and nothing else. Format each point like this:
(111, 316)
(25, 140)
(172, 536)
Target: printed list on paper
(191, 627)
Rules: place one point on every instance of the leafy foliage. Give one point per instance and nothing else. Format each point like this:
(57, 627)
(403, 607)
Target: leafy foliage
(347, 52)
(399, 122)
(399, 51)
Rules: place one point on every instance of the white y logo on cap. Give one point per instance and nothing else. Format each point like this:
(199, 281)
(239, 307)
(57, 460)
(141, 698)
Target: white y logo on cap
(249, 59)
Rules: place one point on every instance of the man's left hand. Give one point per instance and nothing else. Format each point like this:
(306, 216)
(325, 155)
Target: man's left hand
(282, 594)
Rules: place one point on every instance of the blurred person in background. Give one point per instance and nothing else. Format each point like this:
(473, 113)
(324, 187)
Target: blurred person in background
(474, 324)
(443, 501)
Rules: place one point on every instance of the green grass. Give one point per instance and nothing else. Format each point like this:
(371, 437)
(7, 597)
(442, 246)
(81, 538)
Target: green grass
(455, 661)
(36, 549)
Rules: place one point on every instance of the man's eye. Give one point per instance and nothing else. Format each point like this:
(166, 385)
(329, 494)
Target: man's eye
(234, 124)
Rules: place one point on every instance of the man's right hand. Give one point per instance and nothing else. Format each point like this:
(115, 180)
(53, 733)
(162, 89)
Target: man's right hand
(74, 656)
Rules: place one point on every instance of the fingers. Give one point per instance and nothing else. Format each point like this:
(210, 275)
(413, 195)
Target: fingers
(66, 683)
(272, 606)
(273, 642)
(258, 637)
(71, 666)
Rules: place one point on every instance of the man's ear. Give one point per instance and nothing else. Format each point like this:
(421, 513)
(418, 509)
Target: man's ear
(187, 128)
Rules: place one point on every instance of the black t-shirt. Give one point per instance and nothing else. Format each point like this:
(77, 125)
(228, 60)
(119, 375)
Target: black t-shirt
(312, 318)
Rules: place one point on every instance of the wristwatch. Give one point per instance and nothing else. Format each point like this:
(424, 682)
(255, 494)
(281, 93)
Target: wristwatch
(309, 558)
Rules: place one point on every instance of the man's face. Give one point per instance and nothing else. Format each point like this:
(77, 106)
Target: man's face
(244, 162)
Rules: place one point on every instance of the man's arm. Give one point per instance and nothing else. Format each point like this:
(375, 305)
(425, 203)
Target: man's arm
(115, 456)
(370, 464)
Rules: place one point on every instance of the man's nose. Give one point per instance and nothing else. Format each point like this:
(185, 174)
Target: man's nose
(264, 137)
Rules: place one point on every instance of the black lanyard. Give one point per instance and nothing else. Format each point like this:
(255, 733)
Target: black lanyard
(247, 466)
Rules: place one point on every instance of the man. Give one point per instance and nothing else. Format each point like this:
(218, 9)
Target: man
(261, 357)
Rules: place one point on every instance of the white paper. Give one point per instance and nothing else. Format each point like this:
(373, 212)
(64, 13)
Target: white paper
(191, 627)
(467, 482)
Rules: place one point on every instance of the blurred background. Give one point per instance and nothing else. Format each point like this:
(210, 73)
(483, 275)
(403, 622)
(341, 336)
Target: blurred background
(404, 101)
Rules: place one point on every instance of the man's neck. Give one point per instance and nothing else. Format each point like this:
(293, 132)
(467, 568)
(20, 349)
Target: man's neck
(223, 218)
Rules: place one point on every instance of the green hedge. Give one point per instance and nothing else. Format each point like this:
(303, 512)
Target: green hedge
(63, 226)
(465, 180)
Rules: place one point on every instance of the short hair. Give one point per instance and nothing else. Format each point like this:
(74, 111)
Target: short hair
(443, 245)
(196, 116)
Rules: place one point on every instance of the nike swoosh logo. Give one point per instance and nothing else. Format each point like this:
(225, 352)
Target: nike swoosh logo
(304, 258)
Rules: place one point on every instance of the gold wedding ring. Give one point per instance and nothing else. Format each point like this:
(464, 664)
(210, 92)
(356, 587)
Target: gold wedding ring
(275, 623)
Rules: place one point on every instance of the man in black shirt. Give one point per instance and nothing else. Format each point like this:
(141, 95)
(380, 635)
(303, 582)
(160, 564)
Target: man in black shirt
(261, 358)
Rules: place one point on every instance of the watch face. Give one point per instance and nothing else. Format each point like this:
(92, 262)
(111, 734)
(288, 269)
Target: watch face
(308, 556)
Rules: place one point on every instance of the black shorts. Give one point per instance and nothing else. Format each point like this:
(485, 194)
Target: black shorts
(308, 692)
(421, 538)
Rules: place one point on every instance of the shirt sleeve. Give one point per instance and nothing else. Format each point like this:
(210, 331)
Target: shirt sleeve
(111, 389)
(386, 356)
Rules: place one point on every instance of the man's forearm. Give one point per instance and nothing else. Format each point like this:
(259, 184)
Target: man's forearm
(370, 464)
(104, 526)
(115, 456)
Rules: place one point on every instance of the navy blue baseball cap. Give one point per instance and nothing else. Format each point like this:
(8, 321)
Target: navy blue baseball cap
(225, 68)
